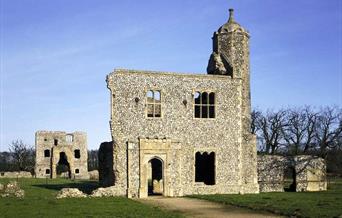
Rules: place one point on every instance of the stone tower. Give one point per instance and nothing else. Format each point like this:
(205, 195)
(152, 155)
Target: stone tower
(230, 57)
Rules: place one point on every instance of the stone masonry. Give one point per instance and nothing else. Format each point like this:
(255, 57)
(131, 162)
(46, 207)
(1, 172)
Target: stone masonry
(70, 149)
(184, 133)
(308, 173)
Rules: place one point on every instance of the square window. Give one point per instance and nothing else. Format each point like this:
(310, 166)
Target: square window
(47, 171)
(204, 105)
(77, 153)
(69, 138)
(46, 153)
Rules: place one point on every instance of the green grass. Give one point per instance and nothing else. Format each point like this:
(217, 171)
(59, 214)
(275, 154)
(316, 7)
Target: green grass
(40, 201)
(303, 204)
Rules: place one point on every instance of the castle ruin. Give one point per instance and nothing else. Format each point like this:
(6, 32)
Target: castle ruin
(180, 134)
(61, 153)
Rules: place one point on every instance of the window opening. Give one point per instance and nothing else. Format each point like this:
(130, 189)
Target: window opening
(46, 153)
(77, 153)
(153, 103)
(205, 168)
(204, 105)
(69, 138)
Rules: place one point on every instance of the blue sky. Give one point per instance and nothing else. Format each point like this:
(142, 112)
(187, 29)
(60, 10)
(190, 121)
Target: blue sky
(55, 55)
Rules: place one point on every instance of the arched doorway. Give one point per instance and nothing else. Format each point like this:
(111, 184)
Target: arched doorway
(63, 166)
(155, 177)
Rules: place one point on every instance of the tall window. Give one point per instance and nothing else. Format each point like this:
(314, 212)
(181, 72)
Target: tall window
(204, 104)
(153, 103)
(77, 153)
(69, 138)
(46, 153)
(205, 168)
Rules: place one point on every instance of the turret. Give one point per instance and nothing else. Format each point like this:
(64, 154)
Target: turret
(230, 57)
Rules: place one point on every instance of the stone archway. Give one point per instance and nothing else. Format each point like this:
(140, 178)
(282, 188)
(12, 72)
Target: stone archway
(63, 166)
(153, 168)
(155, 177)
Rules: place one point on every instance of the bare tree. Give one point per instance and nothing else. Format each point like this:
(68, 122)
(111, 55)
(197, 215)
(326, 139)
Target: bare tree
(271, 129)
(5, 161)
(23, 155)
(328, 129)
(299, 130)
(255, 116)
(93, 160)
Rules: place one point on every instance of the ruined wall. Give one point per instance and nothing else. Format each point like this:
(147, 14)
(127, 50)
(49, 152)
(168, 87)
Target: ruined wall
(177, 135)
(310, 173)
(56, 142)
(16, 174)
(271, 173)
(187, 135)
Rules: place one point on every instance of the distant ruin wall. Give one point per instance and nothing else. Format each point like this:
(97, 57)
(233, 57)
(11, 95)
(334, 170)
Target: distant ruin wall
(52, 147)
(16, 174)
(310, 173)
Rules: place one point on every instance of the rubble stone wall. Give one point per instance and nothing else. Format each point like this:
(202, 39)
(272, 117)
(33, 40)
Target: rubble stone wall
(310, 173)
(177, 134)
(186, 135)
(16, 174)
(271, 173)
(56, 142)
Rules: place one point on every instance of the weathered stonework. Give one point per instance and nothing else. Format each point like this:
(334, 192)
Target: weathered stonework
(93, 175)
(271, 173)
(52, 145)
(16, 174)
(70, 193)
(176, 136)
(11, 189)
(309, 173)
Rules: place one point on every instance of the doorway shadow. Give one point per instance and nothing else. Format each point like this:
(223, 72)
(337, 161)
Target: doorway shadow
(290, 179)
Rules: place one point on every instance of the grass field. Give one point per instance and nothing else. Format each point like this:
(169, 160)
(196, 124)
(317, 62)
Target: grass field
(304, 204)
(40, 201)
